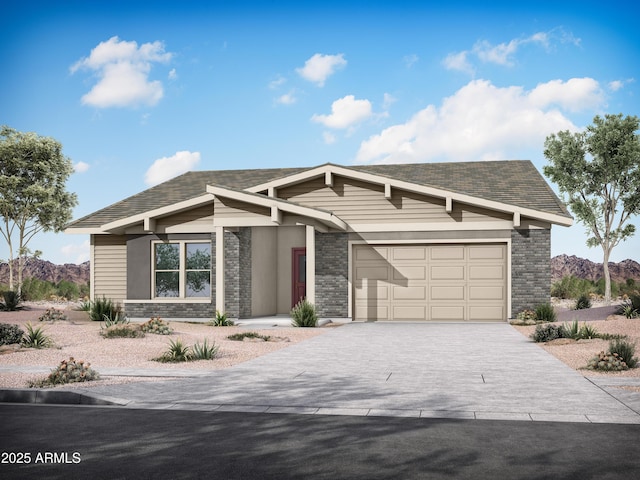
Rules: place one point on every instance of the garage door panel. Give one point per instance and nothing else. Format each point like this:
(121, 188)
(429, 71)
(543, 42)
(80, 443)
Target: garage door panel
(486, 252)
(372, 253)
(447, 312)
(486, 292)
(410, 293)
(410, 312)
(372, 312)
(449, 272)
(372, 273)
(486, 272)
(404, 272)
(447, 292)
(409, 253)
(487, 313)
(447, 252)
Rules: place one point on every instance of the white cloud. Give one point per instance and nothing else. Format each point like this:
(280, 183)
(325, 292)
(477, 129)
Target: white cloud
(481, 122)
(76, 252)
(616, 85)
(410, 60)
(123, 71)
(503, 53)
(287, 98)
(576, 94)
(173, 74)
(388, 100)
(320, 67)
(278, 82)
(166, 168)
(329, 138)
(345, 112)
(80, 167)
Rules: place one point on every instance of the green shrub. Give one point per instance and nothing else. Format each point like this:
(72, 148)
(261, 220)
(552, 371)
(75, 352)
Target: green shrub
(241, 336)
(576, 331)
(177, 352)
(10, 334)
(527, 316)
(304, 314)
(600, 287)
(104, 306)
(221, 320)
(625, 350)
(119, 319)
(122, 331)
(52, 315)
(545, 313)
(11, 301)
(583, 302)
(204, 351)
(157, 326)
(34, 289)
(547, 332)
(607, 362)
(571, 286)
(69, 371)
(67, 289)
(36, 338)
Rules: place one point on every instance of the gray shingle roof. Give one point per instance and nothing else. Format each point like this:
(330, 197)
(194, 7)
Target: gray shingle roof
(514, 182)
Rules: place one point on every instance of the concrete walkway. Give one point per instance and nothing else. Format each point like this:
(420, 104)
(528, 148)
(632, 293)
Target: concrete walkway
(470, 371)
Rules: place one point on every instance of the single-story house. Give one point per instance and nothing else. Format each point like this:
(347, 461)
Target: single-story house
(432, 242)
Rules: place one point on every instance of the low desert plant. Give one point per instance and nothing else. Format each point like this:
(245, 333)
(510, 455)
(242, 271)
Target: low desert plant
(156, 326)
(122, 331)
(583, 302)
(304, 314)
(607, 362)
(177, 352)
(103, 306)
(69, 371)
(625, 350)
(527, 316)
(10, 334)
(11, 301)
(221, 320)
(630, 308)
(547, 332)
(204, 351)
(118, 319)
(52, 315)
(545, 313)
(36, 338)
(241, 336)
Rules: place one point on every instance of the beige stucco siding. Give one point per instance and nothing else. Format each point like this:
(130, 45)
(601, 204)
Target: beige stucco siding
(359, 202)
(109, 267)
(264, 271)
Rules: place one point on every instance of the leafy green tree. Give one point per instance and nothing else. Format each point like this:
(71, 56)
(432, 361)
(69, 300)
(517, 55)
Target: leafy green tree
(598, 174)
(33, 195)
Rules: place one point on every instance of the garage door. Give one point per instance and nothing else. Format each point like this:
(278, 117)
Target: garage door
(430, 282)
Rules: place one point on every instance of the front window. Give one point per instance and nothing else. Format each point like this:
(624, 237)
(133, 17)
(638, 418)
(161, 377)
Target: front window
(182, 270)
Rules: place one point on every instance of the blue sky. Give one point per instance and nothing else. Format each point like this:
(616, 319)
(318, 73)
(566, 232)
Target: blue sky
(138, 92)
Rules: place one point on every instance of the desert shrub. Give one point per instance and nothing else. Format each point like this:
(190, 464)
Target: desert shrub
(36, 338)
(545, 313)
(600, 286)
(157, 326)
(69, 371)
(204, 351)
(241, 336)
(10, 334)
(177, 352)
(547, 332)
(571, 286)
(630, 308)
(118, 319)
(34, 289)
(67, 289)
(221, 320)
(11, 301)
(583, 302)
(103, 306)
(625, 350)
(304, 314)
(576, 331)
(527, 316)
(607, 362)
(52, 315)
(122, 331)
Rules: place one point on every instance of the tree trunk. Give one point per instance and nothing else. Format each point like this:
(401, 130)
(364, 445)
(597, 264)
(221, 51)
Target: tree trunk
(607, 277)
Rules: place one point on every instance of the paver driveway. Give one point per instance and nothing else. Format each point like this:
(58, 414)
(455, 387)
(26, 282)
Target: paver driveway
(474, 370)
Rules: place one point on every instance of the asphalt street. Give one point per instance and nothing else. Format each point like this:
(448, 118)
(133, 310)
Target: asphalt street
(80, 442)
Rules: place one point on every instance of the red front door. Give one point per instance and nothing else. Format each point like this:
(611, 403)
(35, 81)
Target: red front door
(299, 275)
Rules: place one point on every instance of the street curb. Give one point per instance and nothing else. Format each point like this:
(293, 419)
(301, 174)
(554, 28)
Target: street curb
(56, 397)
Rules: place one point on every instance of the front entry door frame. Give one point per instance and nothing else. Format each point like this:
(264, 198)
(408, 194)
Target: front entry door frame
(298, 274)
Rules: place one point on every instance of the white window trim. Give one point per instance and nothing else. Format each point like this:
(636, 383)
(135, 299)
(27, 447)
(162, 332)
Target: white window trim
(182, 273)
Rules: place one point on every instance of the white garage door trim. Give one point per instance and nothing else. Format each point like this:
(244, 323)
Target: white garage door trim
(427, 242)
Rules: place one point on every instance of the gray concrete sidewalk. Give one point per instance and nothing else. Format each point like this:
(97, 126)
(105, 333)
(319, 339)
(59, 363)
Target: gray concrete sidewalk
(473, 371)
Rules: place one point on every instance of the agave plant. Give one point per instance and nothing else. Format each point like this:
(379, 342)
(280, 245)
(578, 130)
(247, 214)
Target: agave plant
(36, 338)
(204, 351)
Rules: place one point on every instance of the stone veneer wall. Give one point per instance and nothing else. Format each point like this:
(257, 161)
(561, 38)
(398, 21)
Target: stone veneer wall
(530, 269)
(237, 273)
(332, 270)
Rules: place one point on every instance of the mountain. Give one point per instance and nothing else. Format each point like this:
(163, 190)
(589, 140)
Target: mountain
(562, 265)
(44, 270)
